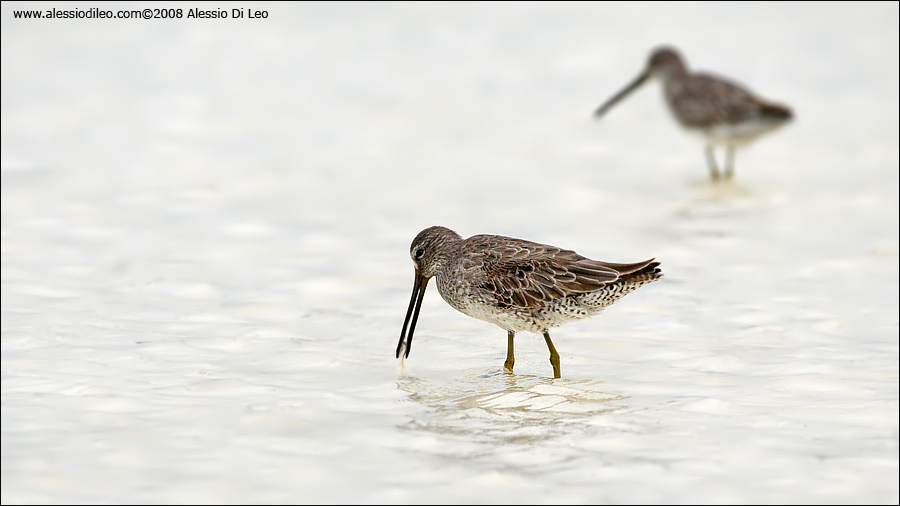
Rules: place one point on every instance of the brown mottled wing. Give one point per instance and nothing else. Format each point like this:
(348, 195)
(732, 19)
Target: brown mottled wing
(703, 101)
(526, 274)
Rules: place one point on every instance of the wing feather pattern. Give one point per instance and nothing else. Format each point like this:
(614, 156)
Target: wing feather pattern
(529, 275)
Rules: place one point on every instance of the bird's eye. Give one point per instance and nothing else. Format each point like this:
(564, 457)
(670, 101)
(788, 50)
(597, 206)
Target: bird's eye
(419, 253)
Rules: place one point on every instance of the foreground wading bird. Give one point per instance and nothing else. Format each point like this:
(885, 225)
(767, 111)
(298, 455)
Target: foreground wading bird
(719, 110)
(516, 284)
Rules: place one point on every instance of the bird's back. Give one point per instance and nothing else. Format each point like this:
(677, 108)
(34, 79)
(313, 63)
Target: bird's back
(524, 285)
(721, 109)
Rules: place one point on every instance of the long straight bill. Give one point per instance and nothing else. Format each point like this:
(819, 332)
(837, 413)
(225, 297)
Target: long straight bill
(415, 300)
(622, 94)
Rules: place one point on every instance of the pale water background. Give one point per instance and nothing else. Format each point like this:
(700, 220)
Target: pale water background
(205, 233)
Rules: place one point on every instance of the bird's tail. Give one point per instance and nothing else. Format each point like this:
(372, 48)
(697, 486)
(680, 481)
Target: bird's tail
(642, 273)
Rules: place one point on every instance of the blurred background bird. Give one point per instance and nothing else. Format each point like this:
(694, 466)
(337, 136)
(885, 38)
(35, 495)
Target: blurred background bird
(724, 113)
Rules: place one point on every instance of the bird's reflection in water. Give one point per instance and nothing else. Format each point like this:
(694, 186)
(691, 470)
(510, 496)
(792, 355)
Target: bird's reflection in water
(508, 408)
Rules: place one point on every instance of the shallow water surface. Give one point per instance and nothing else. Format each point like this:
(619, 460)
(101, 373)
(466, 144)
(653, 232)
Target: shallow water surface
(205, 234)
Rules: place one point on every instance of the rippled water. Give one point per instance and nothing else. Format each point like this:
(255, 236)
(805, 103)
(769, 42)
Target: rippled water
(205, 233)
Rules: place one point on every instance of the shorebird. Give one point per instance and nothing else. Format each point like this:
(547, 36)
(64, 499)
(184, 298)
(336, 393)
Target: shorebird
(516, 284)
(721, 111)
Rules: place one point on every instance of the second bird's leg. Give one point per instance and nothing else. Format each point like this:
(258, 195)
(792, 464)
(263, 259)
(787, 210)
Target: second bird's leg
(510, 359)
(554, 356)
(711, 162)
(729, 162)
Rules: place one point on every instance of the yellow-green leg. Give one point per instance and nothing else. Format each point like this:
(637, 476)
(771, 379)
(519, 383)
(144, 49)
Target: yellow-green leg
(711, 162)
(729, 162)
(554, 356)
(510, 359)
